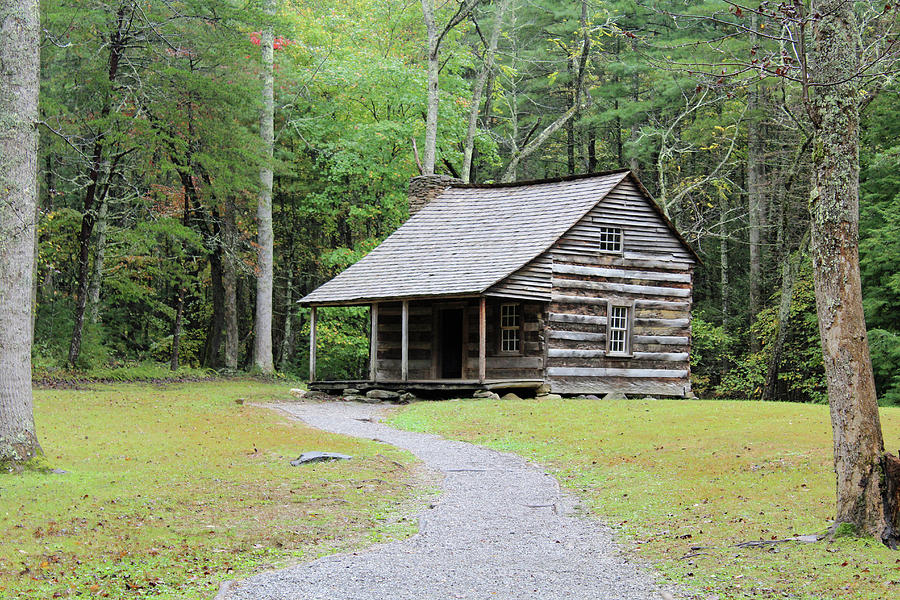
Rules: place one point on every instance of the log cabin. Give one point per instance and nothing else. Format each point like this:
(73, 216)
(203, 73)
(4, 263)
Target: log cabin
(580, 283)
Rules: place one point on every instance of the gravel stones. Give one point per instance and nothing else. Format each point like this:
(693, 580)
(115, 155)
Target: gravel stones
(500, 529)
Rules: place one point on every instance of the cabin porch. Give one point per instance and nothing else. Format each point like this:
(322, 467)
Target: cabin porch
(438, 387)
(444, 344)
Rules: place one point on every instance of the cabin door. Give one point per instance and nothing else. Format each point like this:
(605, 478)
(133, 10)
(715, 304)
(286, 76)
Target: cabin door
(450, 343)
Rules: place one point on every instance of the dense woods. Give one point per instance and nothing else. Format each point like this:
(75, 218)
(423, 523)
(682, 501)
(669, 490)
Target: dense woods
(154, 166)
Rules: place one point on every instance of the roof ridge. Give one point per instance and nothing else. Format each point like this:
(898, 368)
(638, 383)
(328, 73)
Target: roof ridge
(503, 184)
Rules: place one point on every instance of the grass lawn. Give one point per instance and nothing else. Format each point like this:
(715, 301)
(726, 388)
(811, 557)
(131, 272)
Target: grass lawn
(171, 489)
(685, 481)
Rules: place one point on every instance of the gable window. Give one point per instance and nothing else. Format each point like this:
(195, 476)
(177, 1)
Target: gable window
(510, 328)
(618, 328)
(611, 239)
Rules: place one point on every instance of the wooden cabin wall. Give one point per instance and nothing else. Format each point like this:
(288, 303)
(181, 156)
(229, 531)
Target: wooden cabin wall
(654, 271)
(529, 364)
(531, 282)
(420, 341)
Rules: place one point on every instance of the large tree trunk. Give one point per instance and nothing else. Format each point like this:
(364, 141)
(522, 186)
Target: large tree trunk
(262, 356)
(474, 109)
(19, 48)
(860, 462)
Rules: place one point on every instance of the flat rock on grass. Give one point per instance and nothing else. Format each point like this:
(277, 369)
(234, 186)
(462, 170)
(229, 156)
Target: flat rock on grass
(314, 457)
(501, 529)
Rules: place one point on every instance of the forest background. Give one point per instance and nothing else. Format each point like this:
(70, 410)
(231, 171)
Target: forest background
(151, 155)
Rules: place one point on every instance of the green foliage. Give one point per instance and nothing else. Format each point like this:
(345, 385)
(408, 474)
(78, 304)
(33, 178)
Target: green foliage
(879, 246)
(884, 347)
(711, 354)
(342, 343)
(801, 375)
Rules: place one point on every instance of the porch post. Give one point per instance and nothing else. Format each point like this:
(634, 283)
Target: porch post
(373, 343)
(404, 341)
(312, 344)
(482, 336)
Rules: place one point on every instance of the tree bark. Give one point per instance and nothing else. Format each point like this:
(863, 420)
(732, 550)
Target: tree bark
(229, 288)
(97, 273)
(19, 57)
(434, 39)
(474, 109)
(262, 355)
(287, 339)
(211, 355)
(860, 461)
(433, 68)
(789, 271)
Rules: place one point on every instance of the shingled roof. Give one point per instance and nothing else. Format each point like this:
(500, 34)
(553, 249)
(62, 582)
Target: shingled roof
(467, 239)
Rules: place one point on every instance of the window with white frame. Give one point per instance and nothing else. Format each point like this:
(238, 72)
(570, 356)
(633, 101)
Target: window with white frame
(510, 326)
(611, 239)
(618, 330)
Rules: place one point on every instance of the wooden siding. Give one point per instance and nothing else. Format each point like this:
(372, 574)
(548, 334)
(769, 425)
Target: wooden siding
(529, 364)
(653, 272)
(387, 365)
(531, 282)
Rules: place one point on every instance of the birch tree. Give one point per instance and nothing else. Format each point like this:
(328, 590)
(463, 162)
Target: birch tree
(19, 66)
(434, 39)
(478, 90)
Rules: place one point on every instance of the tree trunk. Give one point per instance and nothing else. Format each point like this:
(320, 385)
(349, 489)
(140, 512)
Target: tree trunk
(211, 356)
(755, 149)
(117, 44)
(229, 288)
(19, 48)
(860, 461)
(509, 174)
(789, 272)
(262, 355)
(97, 274)
(490, 51)
(176, 329)
(287, 339)
(430, 149)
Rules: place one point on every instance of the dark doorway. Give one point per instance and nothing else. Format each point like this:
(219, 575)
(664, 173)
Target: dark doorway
(451, 343)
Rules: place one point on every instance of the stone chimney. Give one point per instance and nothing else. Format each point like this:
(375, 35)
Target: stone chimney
(425, 188)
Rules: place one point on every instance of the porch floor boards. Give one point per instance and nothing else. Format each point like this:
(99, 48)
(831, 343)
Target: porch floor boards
(414, 385)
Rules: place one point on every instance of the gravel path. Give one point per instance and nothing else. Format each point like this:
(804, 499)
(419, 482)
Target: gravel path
(500, 529)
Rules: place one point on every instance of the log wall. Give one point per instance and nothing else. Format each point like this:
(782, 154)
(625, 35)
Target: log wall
(654, 272)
